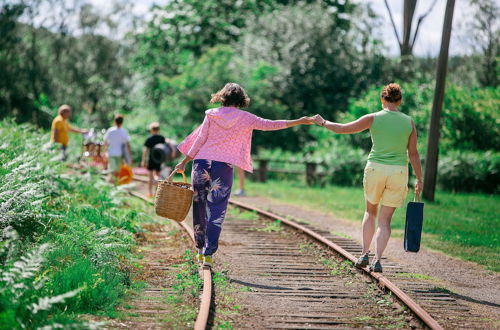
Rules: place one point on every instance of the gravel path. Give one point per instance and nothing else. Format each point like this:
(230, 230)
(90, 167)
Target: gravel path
(470, 283)
(286, 282)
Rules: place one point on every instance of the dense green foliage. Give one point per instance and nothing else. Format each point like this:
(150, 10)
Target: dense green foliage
(470, 124)
(66, 239)
(45, 65)
(294, 58)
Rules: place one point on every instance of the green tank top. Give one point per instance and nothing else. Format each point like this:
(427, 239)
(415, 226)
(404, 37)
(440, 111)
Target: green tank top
(390, 131)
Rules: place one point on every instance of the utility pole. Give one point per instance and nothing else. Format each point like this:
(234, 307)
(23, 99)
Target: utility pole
(431, 159)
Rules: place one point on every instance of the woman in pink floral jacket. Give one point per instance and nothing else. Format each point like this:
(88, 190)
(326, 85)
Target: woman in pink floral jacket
(223, 139)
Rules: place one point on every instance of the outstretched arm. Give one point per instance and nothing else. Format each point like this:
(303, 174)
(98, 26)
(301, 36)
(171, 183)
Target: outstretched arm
(274, 125)
(356, 126)
(415, 159)
(300, 121)
(77, 130)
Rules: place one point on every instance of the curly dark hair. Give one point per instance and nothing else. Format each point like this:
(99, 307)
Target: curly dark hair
(392, 93)
(231, 95)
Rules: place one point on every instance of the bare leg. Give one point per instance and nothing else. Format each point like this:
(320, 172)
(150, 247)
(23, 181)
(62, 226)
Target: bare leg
(369, 225)
(384, 229)
(241, 178)
(150, 183)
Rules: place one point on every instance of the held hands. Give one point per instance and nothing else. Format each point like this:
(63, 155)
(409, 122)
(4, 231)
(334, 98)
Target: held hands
(319, 120)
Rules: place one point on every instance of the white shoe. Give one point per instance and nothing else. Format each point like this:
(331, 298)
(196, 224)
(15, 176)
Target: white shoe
(240, 192)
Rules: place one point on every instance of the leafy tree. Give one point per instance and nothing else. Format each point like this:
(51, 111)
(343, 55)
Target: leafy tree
(182, 30)
(49, 61)
(484, 30)
(320, 64)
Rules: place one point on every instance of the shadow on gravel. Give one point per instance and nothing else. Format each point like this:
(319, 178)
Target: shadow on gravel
(260, 286)
(462, 297)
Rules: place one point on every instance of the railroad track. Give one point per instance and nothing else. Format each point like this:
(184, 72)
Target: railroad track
(205, 273)
(319, 302)
(436, 309)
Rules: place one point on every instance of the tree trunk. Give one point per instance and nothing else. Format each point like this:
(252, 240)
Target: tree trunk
(409, 12)
(431, 160)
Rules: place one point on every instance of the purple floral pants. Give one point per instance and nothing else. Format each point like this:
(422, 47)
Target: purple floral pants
(212, 182)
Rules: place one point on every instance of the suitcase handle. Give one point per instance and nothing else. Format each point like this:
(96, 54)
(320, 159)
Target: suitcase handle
(416, 198)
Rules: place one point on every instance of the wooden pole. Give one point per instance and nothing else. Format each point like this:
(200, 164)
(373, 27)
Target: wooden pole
(310, 173)
(431, 159)
(263, 170)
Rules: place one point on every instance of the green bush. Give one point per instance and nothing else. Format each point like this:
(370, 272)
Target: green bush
(470, 172)
(470, 118)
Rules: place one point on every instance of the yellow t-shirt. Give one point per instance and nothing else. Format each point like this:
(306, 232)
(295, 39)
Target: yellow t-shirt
(63, 128)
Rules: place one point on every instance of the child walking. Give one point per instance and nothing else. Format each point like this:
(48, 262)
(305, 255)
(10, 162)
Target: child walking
(222, 141)
(117, 141)
(153, 167)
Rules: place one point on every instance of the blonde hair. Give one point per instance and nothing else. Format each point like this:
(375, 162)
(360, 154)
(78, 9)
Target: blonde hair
(63, 108)
(154, 126)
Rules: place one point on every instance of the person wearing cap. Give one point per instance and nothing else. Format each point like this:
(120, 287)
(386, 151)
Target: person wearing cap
(153, 166)
(61, 128)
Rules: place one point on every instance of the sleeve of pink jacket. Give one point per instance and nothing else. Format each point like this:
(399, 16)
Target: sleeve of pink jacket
(197, 140)
(268, 125)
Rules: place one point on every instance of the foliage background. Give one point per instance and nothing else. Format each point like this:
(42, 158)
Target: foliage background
(294, 57)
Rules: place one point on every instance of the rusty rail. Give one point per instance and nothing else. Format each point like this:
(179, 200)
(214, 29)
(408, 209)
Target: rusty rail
(382, 281)
(206, 297)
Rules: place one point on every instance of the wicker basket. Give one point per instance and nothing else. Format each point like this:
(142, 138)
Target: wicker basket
(173, 199)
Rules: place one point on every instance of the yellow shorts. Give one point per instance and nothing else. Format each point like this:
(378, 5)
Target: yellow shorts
(385, 184)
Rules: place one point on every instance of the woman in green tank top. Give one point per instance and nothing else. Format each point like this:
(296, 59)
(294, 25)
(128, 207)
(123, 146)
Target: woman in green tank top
(385, 182)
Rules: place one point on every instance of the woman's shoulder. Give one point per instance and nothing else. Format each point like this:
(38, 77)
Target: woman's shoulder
(405, 116)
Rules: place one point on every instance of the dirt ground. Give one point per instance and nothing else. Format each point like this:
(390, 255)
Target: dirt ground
(282, 281)
(470, 283)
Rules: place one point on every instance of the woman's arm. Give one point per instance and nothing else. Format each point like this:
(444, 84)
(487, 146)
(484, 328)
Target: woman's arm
(300, 121)
(415, 158)
(182, 165)
(200, 139)
(356, 126)
(274, 125)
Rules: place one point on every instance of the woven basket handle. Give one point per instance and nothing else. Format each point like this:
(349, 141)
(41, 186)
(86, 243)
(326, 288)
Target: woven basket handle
(169, 179)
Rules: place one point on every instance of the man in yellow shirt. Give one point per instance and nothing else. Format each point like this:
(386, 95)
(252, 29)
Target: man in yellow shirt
(61, 128)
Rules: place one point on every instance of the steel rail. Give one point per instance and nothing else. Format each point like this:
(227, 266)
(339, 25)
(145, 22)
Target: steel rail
(206, 297)
(382, 281)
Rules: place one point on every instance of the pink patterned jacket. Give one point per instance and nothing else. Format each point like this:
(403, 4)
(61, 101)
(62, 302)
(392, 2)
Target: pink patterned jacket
(226, 136)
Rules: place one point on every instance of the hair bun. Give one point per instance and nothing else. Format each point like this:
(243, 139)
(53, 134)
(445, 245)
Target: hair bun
(392, 93)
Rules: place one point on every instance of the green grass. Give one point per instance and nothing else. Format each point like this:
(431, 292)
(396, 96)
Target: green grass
(466, 226)
(64, 233)
(274, 226)
(414, 275)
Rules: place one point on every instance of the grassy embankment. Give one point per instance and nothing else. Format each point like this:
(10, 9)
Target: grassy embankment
(66, 239)
(466, 226)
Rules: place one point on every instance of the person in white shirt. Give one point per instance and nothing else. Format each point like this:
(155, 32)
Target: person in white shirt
(117, 141)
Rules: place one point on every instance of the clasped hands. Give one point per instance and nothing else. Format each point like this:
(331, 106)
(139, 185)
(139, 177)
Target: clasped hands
(316, 119)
